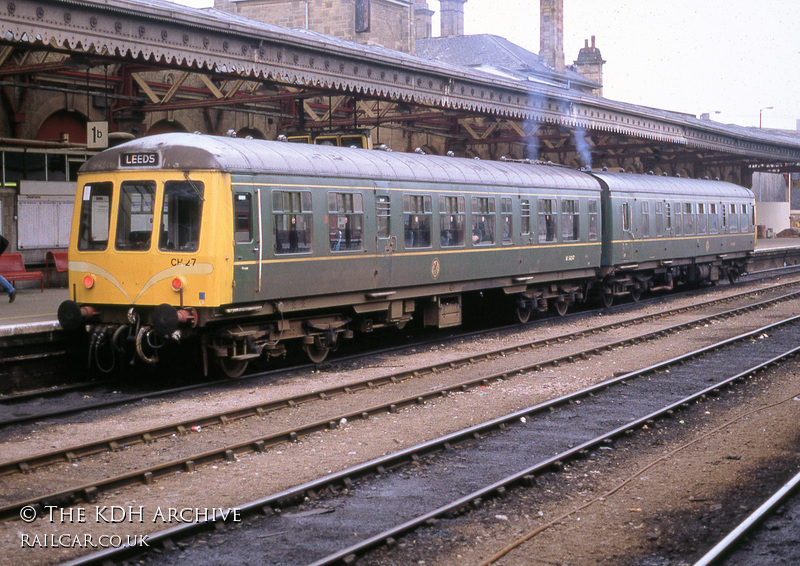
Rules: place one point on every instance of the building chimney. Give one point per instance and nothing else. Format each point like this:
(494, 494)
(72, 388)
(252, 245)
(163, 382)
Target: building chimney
(551, 34)
(423, 20)
(590, 65)
(452, 17)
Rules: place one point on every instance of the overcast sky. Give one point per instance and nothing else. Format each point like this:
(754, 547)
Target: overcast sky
(695, 56)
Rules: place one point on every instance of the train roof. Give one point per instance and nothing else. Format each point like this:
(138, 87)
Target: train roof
(236, 155)
(660, 185)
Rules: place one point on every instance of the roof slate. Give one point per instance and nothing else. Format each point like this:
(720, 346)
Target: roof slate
(485, 50)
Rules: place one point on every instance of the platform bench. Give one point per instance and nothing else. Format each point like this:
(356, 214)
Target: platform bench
(13, 268)
(59, 261)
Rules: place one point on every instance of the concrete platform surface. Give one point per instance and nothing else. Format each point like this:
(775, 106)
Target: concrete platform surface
(32, 311)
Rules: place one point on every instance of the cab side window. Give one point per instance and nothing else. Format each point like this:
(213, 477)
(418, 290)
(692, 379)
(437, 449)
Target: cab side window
(95, 217)
(242, 218)
(181, 214)
(135, 215)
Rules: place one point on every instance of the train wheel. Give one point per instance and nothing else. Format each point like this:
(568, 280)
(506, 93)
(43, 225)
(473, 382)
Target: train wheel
(316, 352)
(561, 307)
(636, 294)
(607, 298)
(523, 314)
(231, 368)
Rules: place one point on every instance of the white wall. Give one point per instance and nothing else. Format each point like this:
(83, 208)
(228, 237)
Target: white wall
(774, 215)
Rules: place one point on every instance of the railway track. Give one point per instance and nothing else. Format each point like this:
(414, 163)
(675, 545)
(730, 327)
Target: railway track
(343, 515)
(73, 453)
(34, 366)
(27, 408)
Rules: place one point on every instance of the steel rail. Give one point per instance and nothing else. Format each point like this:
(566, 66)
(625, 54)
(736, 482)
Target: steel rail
(73, 453)
(345, 478)
(724, 546)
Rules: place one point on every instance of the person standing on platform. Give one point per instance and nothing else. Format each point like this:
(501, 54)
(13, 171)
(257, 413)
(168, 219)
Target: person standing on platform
(7, 287)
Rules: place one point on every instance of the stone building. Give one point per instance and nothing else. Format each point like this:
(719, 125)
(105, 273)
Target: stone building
(551, 33)
(590, 65)
(389, 23)
(400, 24)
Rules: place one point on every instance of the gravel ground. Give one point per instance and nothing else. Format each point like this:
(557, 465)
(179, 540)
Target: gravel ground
(641, 520)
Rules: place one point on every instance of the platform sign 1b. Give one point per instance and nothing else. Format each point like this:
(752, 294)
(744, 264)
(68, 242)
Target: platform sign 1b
(96, 135)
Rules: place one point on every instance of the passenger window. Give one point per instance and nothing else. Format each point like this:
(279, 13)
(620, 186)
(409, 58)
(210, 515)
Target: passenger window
(383, 214)
(483, 221)
(547, 220)
(734, 219)
(592, 220)
(678, 218)
(570, 221)
(452, 221)
(417, 214)
(345, 221)
(95, 217)
(645, 219)
(506, 217)
(713, 219)
(242, 218)
(181, 214)
(702, 219)
(293, 218)
(744, 226)
(135, 215)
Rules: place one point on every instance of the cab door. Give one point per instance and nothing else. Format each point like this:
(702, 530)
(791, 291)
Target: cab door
(247, 244)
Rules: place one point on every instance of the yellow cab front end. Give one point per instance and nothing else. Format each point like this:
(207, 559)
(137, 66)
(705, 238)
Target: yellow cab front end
(147, 252)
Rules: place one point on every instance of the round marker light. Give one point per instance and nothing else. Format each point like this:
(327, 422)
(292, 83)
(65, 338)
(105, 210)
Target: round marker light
(178, 283)
(88, 281)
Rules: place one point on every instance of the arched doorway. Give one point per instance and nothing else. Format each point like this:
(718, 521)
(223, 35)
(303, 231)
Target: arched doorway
(63, 126)
(165, 127)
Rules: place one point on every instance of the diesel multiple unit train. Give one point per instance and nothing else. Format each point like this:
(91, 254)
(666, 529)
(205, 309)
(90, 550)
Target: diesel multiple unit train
(242, 246)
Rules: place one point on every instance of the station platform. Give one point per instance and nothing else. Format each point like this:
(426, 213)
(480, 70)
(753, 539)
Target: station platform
(35, 311)
(32, 311)
(777, 243)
